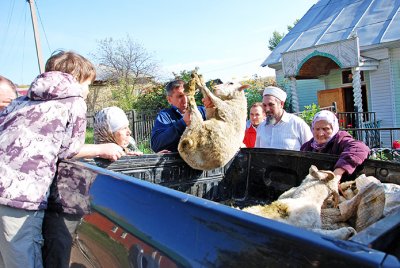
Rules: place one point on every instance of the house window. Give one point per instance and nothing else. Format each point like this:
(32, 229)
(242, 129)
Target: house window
(114, 229)
(347, 77)
(124, 234)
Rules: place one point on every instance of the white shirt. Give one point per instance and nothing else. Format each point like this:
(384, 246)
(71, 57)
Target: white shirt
(289, 133)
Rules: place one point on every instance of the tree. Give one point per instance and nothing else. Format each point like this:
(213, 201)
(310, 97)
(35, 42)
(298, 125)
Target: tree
(277, 36)
(126, 66)
(255, 91)
(275, 39)
(153, 99)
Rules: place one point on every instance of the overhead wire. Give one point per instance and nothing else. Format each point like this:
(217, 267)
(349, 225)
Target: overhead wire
(41, 23)
(23, 50)
(8, 25)
(233, 66)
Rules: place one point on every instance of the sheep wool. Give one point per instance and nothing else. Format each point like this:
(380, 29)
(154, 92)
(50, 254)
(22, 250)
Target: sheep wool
(206, 145)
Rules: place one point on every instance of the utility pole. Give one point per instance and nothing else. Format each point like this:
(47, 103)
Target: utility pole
(36, 34)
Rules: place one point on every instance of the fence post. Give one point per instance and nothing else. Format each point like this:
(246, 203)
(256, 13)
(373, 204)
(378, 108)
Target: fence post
(134, 131)
(357, 117)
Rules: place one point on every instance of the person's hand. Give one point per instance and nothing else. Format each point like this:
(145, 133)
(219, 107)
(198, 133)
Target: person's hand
(136, 153)
(110, 151)
(163, 152)
(186, 118)
(207, 102)
(339, 172)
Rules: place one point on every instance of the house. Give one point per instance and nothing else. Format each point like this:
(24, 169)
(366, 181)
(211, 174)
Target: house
(346, 51)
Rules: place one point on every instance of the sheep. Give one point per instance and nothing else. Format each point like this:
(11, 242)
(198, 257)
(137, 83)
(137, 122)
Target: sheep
(301, 206)
(206, 145)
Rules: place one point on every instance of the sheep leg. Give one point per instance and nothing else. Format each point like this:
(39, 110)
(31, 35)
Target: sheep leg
(195, 115)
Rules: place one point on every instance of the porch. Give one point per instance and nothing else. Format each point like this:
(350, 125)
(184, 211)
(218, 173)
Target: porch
(366, 127)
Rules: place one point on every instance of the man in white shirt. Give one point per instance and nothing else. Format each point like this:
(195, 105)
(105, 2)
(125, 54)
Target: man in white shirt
(280, 130)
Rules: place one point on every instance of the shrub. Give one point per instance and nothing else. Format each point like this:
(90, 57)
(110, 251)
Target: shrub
(309, 112)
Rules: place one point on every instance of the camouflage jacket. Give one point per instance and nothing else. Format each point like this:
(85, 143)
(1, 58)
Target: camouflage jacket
(70, 189)
(36, 131)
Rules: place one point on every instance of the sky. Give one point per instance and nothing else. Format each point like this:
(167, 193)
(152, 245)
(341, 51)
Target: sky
(226, 39)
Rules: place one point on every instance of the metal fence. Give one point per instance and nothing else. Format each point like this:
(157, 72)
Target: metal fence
(370, 132)
(141, 124)
(376, 137)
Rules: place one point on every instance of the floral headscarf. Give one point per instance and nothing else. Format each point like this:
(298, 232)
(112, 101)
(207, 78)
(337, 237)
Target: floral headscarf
(331, 119)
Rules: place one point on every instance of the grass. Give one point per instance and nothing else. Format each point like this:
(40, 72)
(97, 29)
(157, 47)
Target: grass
(144, 146)
(89, 136)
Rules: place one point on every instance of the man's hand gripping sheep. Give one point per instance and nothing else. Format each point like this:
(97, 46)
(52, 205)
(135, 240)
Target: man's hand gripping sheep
(210, 144)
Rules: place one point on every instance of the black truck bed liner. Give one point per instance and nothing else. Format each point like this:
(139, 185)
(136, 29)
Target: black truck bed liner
(261, 175)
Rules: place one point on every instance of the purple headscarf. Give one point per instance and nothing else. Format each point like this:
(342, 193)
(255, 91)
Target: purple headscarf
(331, 119)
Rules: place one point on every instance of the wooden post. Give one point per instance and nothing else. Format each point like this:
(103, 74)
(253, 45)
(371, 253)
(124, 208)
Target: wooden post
(36, 34)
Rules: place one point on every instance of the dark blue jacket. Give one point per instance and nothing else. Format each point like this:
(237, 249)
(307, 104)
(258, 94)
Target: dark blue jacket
(168, 129)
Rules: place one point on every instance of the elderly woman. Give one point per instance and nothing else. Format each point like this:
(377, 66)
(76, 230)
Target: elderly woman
(327, 138)
(112, 125)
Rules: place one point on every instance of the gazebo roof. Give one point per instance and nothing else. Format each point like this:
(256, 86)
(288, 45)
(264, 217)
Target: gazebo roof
(375, 22)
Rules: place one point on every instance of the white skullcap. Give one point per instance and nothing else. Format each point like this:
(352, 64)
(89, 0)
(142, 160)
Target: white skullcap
(276, 92)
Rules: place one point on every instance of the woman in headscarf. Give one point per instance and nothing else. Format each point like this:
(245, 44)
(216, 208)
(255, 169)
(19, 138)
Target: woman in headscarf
(327, 138)
(111, 125)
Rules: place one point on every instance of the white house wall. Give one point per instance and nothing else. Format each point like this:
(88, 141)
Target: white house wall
(382, 98)
(334, 79)
(378, 54)
(395, 64)
(307, 91)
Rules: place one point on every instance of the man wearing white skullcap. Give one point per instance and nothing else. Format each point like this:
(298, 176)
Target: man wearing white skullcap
(281, 130)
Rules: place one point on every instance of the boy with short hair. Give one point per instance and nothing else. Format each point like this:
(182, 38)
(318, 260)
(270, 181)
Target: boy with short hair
(37, 131)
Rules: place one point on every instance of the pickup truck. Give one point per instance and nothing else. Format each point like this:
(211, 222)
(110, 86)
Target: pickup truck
(156, 211)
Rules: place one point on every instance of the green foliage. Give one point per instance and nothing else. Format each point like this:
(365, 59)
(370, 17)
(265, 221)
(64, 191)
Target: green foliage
(252, 95)
(151, 100)
(277, 36)
(309, 112)
(275, 39)
(254, 92)
(184, 75)
(89, 136)
(385, 154)
(123, 94)
(144, 146)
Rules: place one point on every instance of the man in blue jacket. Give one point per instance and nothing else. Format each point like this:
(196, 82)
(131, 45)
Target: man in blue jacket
(171, 122)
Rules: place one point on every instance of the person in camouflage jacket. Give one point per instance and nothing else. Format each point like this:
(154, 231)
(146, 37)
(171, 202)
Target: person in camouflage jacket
(36, 131)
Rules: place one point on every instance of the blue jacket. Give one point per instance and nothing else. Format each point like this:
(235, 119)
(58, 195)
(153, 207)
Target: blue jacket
(168, 129)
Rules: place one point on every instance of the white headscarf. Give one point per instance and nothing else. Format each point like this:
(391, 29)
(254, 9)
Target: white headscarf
(329, 117)
(106, 122)
(109, 120)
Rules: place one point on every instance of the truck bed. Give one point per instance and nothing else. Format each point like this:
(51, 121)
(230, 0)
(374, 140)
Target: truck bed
(156, 210)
